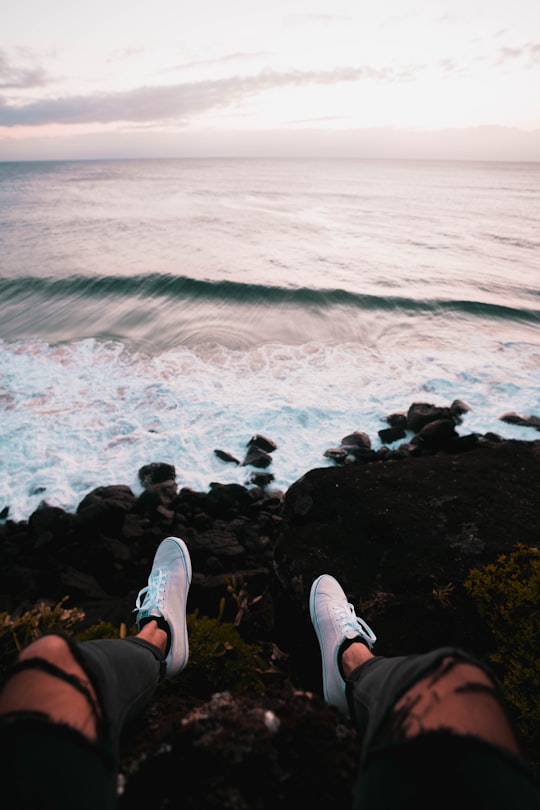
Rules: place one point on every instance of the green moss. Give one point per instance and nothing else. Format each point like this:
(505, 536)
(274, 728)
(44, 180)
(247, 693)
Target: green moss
(219, 659)
(507, 597)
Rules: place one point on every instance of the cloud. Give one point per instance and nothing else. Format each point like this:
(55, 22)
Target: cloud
(219, 61)
(13, 77)
(301, 20)
(178, 101)
(530, 51)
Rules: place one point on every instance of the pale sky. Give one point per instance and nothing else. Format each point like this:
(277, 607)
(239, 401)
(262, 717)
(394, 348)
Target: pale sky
(137, 78)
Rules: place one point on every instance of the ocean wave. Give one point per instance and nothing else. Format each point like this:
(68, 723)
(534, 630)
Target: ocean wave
(178, 288)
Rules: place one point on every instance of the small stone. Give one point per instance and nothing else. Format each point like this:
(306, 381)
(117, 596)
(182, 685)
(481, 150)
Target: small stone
(156, 473)
(338, 454)
(256, 457)
(227, 457)
(397, 420)
(391, 434)
(261, 479)
(356, 439)
(523, 421)
(263, 443)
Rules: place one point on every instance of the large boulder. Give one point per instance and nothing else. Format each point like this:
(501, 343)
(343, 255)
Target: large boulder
(395, 533)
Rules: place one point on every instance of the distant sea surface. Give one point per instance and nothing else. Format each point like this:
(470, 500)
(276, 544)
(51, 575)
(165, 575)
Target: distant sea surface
(156, 310)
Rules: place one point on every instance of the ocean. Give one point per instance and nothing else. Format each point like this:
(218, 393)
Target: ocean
(156, 310)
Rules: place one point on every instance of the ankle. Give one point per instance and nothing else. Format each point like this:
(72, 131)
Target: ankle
(156, 632)
(353, 656)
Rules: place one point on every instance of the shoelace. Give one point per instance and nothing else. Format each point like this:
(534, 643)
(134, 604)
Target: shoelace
(152, 593)
(349, 622)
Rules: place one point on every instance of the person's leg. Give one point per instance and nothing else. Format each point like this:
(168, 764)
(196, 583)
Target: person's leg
(61, 695)
(394, 699)
(433, 727)
(400, 697)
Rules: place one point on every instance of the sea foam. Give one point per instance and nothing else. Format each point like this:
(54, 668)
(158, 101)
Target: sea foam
(91, 413)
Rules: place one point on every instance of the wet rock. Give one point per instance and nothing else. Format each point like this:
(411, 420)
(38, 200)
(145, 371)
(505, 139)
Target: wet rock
(421, 413)
(356, 439)
(261, 479)
(263, 443)
(337, 454)
(226, 457)
(156, 496)
(257, 457)
(156, 473)
(459, 407)
(523, 421)
(436, 435)
(391, 434)
(397, 420)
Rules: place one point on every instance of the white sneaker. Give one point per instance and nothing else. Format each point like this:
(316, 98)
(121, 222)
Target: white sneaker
(335, 621)
(165, 596)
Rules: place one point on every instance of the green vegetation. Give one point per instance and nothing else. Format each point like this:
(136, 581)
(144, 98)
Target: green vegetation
(19, 631)
(507, 597)
(219, 658)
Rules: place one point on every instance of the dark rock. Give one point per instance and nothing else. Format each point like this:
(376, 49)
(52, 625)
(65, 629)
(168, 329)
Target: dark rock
(49, 523)
(463, 444)
(156, 473)
(397, 420)
(436, 435)
(337, 454)
(117, 495)
(4, 513)
(459, 407)
(77, 584)
(263, 443)
(356, 439)
(156, 496)
(494, 438)
(421, 413)
(398, 527)
(261, 479)
(391, 434)
(104, 509)
(257, 457)
(363, 454)
(225, 500)
(216, 543)
(523, 421)
(227, 457)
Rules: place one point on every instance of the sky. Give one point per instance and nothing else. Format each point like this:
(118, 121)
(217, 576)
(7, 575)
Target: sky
(164, 78)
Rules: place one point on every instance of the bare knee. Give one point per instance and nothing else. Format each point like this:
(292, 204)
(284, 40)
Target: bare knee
(52, 648)
(457, 696)
(49, 680)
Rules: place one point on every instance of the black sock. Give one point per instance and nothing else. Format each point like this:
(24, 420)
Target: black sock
(162, 624)
(345, 646)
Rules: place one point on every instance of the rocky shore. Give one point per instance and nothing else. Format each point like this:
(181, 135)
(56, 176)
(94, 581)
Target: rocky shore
(400, 528)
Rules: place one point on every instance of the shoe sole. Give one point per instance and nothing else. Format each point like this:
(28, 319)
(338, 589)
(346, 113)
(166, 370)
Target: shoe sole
(315, 623)
(186, 560)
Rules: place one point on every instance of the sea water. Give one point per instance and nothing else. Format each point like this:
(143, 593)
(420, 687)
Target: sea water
(158, 310)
